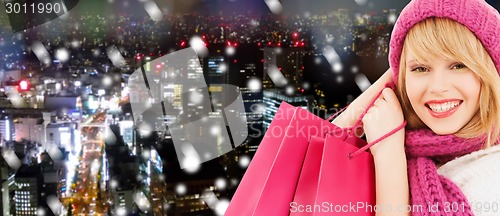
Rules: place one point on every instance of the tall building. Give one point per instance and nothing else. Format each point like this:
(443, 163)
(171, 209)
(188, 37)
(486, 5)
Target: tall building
(62, 134)
(289, 61)
(156, 183)
(8, 189)
(31, 129)
(27, 193)
(274, 97)
(7, 129)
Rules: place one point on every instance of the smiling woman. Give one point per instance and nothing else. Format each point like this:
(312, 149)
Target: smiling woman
(446, 74)
(445, 62)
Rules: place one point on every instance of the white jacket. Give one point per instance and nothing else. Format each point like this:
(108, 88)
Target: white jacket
(478, 176)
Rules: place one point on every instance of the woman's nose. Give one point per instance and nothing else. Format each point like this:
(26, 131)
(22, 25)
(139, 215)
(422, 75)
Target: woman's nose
(440, 81)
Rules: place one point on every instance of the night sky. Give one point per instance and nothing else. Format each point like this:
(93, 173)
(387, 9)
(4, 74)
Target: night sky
(229, 7)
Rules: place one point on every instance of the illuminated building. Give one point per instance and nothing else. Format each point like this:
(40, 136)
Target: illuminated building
(7, 206)
(31, 129)
(273, 99)
(288, 60)
(7, 129)
(27, 192)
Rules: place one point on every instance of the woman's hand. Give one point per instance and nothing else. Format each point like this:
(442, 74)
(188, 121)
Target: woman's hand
(352, 113)
(385, 115)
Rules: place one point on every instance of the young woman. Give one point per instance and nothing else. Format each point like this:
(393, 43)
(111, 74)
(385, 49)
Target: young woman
(445, 62)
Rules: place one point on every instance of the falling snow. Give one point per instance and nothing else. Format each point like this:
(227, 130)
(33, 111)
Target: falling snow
(54, 204)
(116, 57)
(230, 50)
(62, 54)
(258, 108)
(199, 46)
(354, 69)
(337, 67)
(220, 184)
(121, 211)
(145, 129)
(333, 58)
(254, 84)
(219, 206)
(290, 90)
(244, 161)
(107, 81)
(362, 81)
(276, 76)
(142, 202)
(41, 52)
(340, 79)
(222, 67)
(153, 11)
(306, 85)
(234, 182)
(11, 159)
(195, 97)
(15, 98)
(75, 44)
(361, 2)
(40, 212)
(392, 18)
(215, 130)
(146, 155)
(191, 162)
(54, 152)
(181, 189)
(113, 183)
(274, 6)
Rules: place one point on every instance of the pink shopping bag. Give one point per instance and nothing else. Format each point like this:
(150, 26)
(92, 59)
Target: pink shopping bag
(338, 174)
(268, 186)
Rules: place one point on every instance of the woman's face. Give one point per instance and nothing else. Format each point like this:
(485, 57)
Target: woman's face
(444, 93)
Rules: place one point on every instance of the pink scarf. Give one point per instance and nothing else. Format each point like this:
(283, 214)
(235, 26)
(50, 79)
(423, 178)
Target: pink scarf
(432, 194)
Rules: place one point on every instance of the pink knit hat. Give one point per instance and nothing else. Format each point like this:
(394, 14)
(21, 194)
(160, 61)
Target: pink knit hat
(478, 16)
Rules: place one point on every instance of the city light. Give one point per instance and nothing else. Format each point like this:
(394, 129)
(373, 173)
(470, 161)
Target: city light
(23, 85)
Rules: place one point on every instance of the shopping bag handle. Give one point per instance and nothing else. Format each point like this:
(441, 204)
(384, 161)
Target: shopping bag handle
(364, 148)
(360, 118)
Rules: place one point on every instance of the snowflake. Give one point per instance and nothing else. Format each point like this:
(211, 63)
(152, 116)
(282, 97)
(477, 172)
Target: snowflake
(116, 57)
(199, 46)
(181, 189)
(340, 79)
(230, 50)
(220, 183)
(153, 11)
(274, 6)
(276, 76)
(290, 90)
(62, 54)
(41, 52)
(361, 2)
(222, 67)
(107, 81)
(254, 84)
(362, 81)
(191, 162)
(354, 69)
(195, 97)
(244, 161)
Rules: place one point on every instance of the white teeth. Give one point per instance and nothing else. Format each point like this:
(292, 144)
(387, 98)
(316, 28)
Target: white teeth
(443, 107)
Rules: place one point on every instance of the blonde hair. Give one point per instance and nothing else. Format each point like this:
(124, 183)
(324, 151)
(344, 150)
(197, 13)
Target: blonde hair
(451, 40)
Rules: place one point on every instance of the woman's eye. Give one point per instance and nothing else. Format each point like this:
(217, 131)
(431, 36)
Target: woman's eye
(459, 66)
(419, 69)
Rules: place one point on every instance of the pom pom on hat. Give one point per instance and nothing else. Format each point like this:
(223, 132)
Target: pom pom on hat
(478, 16)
